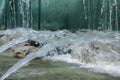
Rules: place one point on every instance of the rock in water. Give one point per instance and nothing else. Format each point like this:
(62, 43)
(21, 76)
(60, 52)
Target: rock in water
(34, 43)
(7, 37)
(22, 51)
(2, 35)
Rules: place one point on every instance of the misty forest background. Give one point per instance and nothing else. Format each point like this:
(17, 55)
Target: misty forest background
(60, 14)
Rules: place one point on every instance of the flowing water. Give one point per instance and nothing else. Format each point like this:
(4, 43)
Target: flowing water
(22, 35)
(97, 50)
(24, 6)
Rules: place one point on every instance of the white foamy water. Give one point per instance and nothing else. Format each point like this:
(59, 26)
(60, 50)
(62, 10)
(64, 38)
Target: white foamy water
(21, 36)
(40, 53)
(97, 50)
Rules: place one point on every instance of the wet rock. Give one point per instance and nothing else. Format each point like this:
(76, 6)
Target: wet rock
(83, 54)
(95, 51)
(60, 50)
(22, 51)
(94, 46)
(6, 37)
(34, 43)
(2, 35)
(114, 47)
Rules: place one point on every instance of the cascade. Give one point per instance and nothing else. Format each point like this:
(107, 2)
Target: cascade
(101, 15)
(12, 15)
(25, 11)
(94, 14)
(18, 13)
(109, 15)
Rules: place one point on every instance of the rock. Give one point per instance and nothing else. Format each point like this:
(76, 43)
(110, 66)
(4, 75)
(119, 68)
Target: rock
(2, 35)
(33, 43)
(114, 47)
(6, 37)
(22, 51)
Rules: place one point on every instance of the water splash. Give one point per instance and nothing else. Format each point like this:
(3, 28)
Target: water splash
(90, 49)
(23, 35)
(12, 43)
(40, 53)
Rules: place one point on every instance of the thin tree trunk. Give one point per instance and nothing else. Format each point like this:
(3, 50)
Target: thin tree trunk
(39, 14)
(30, 14)
(6, 14)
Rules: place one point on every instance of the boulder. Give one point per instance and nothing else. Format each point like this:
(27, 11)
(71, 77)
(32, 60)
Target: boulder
(22, 49)
(33, 43)
(7, 37)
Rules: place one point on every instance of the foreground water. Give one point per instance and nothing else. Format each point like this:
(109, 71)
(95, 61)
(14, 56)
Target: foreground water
(92, 55)
(50, 70)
